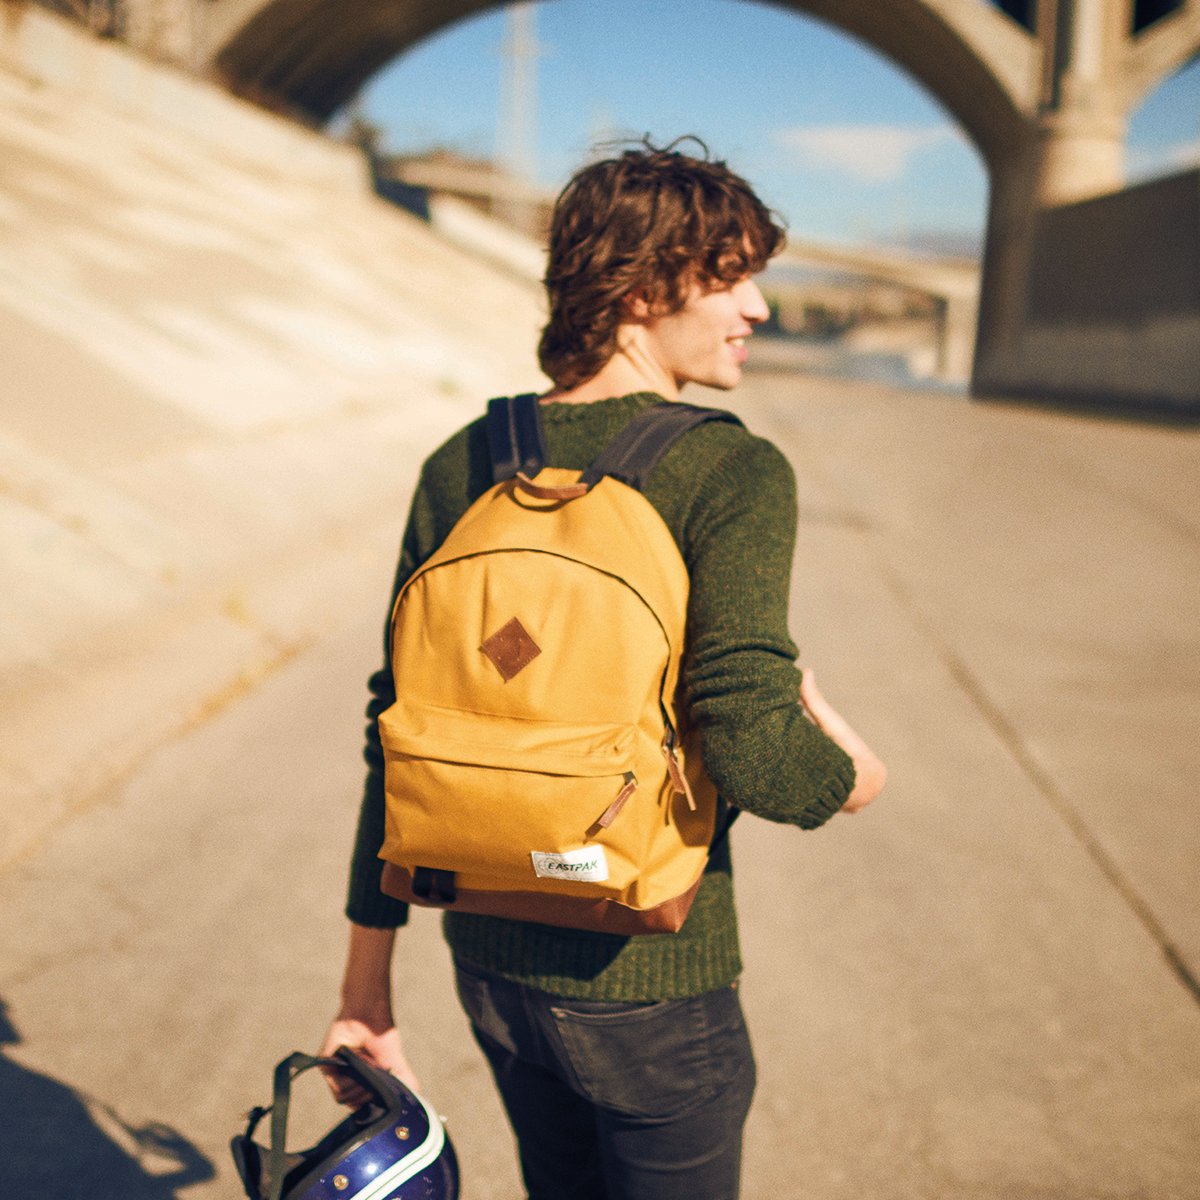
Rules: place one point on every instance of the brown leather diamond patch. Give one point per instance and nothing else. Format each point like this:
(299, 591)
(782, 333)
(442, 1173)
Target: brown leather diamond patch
(511, 649)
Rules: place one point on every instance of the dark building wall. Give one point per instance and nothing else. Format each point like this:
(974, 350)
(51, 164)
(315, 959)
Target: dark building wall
(1112, 316)
(1129, 256)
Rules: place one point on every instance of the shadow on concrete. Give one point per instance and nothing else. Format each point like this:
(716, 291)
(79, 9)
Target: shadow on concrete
(56, 1144)
(1164, 412)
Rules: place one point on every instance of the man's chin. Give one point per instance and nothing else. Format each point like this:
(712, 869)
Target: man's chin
(725, 383)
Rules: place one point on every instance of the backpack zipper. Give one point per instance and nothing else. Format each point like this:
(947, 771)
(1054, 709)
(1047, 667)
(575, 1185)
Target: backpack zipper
(629, 779)
(674, 770)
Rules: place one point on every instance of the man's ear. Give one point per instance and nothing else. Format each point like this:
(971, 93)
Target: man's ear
(637, 306)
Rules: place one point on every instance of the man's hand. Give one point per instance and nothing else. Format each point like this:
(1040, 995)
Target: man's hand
(869, 772)
(378, 1043)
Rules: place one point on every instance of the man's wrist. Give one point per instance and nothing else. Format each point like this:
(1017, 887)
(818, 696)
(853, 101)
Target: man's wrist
(375, 1015)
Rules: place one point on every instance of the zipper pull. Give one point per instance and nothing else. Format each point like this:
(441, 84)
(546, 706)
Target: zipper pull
(678, 778)
(611, 812)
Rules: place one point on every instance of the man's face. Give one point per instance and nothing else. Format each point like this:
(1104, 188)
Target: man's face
(704, 342)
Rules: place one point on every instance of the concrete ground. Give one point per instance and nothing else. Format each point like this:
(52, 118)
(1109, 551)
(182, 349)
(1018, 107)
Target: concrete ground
(981, 988)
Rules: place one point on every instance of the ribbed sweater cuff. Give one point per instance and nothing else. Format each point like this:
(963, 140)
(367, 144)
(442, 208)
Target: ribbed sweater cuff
(367, 906)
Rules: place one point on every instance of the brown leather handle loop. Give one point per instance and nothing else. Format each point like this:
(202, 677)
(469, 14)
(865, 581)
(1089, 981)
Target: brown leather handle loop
(569, 491)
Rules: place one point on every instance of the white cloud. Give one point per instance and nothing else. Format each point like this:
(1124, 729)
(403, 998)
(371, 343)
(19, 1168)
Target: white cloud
(868, 153)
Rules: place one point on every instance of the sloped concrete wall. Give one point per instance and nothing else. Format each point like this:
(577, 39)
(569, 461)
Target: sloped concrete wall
(47, 50)
(223, 361)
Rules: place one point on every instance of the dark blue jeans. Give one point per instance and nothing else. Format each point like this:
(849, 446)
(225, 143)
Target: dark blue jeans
(617, 1100)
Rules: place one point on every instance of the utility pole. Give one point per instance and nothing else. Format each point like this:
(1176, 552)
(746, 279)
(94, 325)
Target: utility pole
(516, 133)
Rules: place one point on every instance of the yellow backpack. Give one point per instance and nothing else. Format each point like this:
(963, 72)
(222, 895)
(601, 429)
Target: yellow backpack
(536, 764)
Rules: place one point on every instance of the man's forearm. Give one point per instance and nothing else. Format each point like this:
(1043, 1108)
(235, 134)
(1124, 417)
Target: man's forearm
(367, 982)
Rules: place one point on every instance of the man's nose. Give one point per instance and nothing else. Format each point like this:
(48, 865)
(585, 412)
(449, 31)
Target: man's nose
(751, 303)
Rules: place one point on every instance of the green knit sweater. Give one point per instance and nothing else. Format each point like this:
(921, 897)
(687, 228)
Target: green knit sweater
(729, 501)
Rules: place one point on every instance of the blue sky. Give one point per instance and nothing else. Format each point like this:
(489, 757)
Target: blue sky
(832, 134)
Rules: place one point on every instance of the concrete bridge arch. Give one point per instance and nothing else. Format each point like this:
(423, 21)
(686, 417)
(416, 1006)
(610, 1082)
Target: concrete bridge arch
(312, 56)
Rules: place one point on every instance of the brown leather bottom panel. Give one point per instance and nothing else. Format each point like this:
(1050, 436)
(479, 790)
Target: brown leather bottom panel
(571, 912)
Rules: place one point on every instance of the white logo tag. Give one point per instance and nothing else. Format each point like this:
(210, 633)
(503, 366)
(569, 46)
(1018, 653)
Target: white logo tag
(587, 865)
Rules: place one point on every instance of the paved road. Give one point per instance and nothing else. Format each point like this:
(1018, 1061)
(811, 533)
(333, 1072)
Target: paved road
(980, 988)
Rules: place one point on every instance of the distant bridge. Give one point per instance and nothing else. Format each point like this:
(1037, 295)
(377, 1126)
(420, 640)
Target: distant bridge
(953, 283)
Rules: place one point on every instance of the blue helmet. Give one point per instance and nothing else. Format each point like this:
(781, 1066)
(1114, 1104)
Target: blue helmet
(393, 1148)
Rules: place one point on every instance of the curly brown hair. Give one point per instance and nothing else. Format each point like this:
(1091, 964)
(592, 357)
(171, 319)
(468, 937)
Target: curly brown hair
(650, 221)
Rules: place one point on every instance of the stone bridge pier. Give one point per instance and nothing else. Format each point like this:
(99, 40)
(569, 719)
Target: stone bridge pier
(1044, 88)
(1062, 174)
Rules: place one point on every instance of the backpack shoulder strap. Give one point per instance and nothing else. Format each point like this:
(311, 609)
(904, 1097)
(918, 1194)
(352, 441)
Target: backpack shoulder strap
(637, 449)
(514, 430)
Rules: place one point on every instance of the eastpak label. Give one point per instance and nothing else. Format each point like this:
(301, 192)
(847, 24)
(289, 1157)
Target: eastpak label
(586, 865)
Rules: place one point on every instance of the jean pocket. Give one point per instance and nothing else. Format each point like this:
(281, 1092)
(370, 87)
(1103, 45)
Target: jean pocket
(653, 1060)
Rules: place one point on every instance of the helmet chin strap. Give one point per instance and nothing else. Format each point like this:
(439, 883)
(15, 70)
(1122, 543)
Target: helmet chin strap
(285, 1072)
(296, 1064)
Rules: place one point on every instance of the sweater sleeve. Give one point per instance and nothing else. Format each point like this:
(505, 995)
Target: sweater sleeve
(760, 749)
(366, 903)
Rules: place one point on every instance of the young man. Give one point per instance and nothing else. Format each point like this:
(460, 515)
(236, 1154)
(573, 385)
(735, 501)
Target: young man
(623, 1062)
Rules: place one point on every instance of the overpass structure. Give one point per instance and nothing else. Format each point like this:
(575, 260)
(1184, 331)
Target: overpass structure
(1044, 88)
(953, 284)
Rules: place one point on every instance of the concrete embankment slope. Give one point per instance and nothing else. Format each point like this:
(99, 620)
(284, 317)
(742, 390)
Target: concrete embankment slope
(220, 353)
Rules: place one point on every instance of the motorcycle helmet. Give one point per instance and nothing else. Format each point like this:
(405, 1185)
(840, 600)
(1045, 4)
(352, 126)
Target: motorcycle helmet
(394, 1147)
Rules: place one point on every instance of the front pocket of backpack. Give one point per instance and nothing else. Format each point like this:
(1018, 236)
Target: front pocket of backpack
(510, 801)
